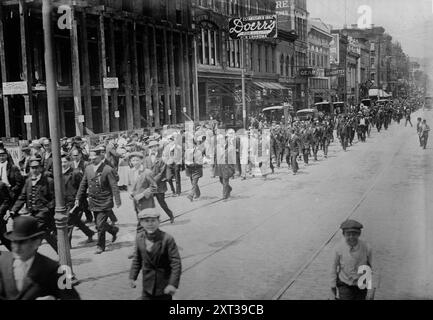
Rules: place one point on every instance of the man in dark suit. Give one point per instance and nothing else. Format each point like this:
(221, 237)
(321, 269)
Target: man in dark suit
(157, 255)
(27, 275)
(295, 146)
(38, 196)
(5, 202)
(47, 158)
(156, 164)
(72, 179)
(102, 184)
(10, 175)
(79, 164)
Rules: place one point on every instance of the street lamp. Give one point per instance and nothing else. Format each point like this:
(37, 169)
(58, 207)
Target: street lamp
(61, 216)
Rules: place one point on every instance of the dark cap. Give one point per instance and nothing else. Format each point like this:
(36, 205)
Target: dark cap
(351, 225)
(35, 160)
(136, 154)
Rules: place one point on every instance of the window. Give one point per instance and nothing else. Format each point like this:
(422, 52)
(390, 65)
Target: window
(259, 57)
(287, 66)
(273, 60)
(282, 65)
(179, 11)
(266, 59)
(208, 44)
(292, 66)
(163, 9)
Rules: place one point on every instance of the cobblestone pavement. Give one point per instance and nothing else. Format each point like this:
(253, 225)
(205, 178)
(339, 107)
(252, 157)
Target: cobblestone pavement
(250, 246)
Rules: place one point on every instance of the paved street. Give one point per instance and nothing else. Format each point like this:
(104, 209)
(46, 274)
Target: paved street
(278, 233)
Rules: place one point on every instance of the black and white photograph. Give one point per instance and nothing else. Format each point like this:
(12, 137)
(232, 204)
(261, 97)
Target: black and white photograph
(218, 150)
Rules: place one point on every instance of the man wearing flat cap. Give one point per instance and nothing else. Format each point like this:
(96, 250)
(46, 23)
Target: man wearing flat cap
(100, 181)
(38, 196)
(349, 255)
(27, 275)
(157, 255)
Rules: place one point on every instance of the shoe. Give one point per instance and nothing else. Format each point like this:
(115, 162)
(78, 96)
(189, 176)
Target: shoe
(115, 235)
(131, 255)
(172, 220)
(99, 250)
(190, 198)
(90, 239)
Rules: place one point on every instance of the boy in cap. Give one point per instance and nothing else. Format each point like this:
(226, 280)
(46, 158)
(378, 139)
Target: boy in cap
(157, 255)
(349, 255)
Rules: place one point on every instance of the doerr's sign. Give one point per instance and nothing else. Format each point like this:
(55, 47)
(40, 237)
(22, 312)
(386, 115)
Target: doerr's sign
(253, 27)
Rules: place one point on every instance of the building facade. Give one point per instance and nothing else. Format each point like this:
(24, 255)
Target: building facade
(319, 39)
(146, 45)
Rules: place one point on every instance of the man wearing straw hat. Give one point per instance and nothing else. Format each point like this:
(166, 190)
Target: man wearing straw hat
(27, 275)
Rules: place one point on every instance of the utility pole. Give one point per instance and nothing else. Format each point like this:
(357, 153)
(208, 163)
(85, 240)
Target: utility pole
(244, 106)
(61, 216)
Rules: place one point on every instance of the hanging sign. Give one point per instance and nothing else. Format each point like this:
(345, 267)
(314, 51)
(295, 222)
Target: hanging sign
(10, 88)
(111, 83)
(253, 27)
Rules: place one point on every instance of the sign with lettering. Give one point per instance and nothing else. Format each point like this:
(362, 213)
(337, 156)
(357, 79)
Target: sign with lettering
(111, 83)
(253, 27)
(282, 7)
(307, 72)
(334, 72)
(10, 88)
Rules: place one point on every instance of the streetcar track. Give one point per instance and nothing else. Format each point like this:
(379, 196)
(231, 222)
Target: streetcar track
(288, 284)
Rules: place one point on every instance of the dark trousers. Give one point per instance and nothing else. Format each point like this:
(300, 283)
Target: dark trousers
(46, 223)
(74, 220)
(325, 146)
(147, 296)
(226, 187)
(3, 230)
(408, 120)
(161, 200)
(424, 140)
(347, 292)
(306, 152)
(288, 158)
(176, 171)
(294, 161)
(195, 190)
(102, 227)
(315, 150)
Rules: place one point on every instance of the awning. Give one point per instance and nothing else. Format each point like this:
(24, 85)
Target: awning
(378, 93)
(269, 85)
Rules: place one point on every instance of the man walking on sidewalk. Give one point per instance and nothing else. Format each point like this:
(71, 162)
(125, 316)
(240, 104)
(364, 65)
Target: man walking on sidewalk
(101, 183)
(424, 130)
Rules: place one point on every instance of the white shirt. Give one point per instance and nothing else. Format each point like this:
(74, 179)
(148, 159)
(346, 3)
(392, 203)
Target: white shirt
(47, 155)
(97, 166)
(4, 173)
(21, 268)
(34, 181)
(76, 163)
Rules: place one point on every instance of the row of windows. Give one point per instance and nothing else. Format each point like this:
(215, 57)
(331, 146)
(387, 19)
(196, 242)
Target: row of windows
(318, 60)
(238, 7)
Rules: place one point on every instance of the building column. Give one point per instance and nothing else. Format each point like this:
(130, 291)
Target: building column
(167, 103)
(135, 83)
(172, 77)
(147, 78)
(127, 74)
(88, 120)
(155, 91)
(103, 74)
(113, 73)
(76, 85)
(27, 72)
(182, 76)
(187, 77)
(195, 81)
(4, 76)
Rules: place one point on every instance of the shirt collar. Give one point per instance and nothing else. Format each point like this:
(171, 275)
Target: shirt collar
(37, 178)
(28, 263)
(97, 166)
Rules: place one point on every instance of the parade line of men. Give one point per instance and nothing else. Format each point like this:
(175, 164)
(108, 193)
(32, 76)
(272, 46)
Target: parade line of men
(94, 177)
